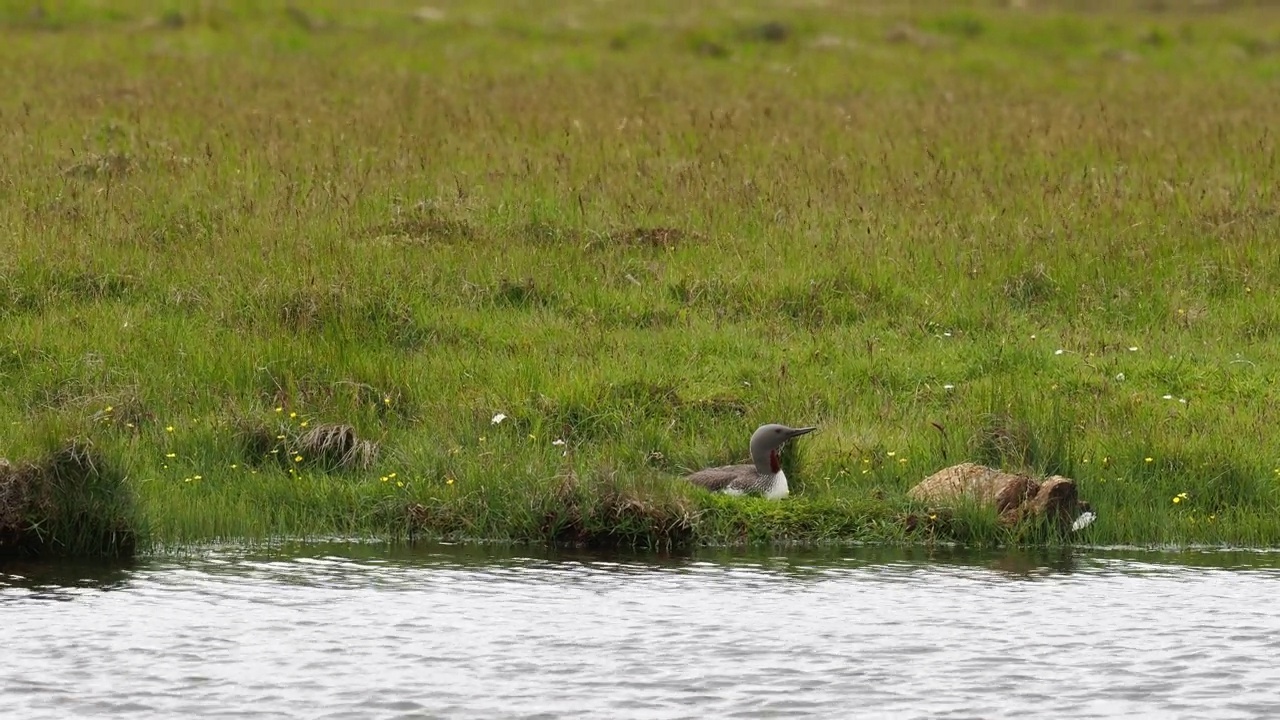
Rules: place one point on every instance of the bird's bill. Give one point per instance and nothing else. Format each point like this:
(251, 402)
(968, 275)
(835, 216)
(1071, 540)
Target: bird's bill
(797, 432)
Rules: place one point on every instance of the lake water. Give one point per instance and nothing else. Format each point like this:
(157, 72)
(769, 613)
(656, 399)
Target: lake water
(359, 631)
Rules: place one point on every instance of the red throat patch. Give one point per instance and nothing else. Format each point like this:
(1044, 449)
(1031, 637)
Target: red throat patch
(775, 461)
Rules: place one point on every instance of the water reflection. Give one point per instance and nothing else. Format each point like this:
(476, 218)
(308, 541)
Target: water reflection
(308, 564)
(64, 579)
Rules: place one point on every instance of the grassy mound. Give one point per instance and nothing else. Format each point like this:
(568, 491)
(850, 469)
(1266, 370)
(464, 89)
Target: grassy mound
(69, 503)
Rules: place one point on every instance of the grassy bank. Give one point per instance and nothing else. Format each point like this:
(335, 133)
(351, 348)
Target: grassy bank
(638, 232)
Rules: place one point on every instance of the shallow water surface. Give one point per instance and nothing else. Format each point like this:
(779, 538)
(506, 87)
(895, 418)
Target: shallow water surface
(358, 631)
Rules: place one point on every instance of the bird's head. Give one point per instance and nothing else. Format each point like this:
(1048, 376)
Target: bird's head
(768, 439)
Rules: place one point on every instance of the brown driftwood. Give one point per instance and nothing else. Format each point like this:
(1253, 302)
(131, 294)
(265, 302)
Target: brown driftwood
(1014, 496)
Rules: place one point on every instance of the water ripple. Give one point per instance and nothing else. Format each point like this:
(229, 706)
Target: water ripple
(446, 634)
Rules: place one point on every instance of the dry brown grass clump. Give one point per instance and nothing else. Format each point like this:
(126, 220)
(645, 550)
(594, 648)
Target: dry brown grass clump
(338, 447)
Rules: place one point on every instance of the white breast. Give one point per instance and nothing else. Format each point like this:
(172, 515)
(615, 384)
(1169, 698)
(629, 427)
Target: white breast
(779, 488)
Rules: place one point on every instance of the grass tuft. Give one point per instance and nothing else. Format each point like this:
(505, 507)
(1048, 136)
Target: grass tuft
(73, 502)
(605, 512)
(336, 447)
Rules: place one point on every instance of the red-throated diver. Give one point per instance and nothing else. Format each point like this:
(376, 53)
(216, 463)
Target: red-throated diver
(764, 477)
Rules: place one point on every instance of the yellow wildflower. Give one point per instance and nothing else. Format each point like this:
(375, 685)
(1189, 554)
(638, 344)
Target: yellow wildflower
(169, 429)
(297, 458)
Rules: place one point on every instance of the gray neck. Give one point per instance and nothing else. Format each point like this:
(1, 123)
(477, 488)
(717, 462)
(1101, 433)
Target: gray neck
(760, 457)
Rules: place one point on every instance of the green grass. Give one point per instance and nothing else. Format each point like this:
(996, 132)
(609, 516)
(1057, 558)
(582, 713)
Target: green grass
(644, 230)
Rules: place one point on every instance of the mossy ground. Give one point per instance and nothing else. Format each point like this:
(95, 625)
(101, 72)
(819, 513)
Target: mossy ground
(941, 231)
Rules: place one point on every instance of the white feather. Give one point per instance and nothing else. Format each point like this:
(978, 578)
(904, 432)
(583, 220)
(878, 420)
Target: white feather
(778, 489)
(1084, 521)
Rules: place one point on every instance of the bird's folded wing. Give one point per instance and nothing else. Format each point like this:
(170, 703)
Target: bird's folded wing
(718, 478)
